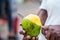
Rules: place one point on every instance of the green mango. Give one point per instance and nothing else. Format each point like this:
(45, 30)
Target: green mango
(31, 25)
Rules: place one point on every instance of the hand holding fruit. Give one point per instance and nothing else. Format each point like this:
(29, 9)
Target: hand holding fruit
(28, 37)
(32, 25)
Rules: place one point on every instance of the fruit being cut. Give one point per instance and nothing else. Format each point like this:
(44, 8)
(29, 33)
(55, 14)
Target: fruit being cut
(32, 25)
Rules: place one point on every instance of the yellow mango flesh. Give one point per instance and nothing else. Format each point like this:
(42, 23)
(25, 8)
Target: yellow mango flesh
(34, 19)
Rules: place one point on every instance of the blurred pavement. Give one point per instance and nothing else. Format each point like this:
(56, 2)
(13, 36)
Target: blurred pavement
(28, 8)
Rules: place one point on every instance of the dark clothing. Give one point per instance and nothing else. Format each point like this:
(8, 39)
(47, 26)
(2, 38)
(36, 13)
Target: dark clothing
(5, 12)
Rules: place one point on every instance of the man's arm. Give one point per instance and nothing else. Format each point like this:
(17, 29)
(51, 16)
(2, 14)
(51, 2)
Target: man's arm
(51, 32)
(43, 15)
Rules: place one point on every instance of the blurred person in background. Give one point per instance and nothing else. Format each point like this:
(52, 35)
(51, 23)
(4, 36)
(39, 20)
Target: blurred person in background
(6, 13)
(49, 14)
(14, 20)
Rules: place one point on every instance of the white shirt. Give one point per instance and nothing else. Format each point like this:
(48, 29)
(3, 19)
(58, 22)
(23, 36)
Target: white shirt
(53, 9)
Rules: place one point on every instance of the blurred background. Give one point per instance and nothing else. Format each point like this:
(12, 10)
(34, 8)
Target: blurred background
(25, 7)
(21, 8)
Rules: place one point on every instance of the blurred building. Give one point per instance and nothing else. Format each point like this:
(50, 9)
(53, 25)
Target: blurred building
(32, 0)
(23, 1)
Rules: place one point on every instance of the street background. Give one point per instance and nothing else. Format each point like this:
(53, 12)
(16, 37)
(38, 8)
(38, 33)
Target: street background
(23, 8)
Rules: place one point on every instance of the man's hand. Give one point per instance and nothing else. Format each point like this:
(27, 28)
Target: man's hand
(27, 37)
(51, 32)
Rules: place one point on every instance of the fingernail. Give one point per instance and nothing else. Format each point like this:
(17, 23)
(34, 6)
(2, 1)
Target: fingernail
(28, 37)
(24, 31)
(33, 38)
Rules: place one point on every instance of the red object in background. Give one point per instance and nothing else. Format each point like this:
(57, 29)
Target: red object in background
(15, 24)
(3, 21)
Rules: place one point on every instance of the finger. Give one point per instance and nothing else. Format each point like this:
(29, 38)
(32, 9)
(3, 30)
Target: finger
(44, 30)
(24, 38)
(33, 38)
(52, 37)
(20, 24)
(48, 35)
(22, 32)
(28, 37)
(57, 38)
(36, 38)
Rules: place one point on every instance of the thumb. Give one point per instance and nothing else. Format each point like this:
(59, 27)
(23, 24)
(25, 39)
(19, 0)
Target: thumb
(44, 29)
(48, 35)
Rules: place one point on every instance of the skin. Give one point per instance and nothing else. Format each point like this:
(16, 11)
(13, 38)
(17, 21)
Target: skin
(43, 15)
(51, 32)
